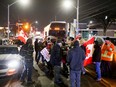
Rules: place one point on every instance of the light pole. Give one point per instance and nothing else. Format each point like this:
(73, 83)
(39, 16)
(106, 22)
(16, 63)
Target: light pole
(9, 17)
(21, 1)
(77, 24)
(68, 4)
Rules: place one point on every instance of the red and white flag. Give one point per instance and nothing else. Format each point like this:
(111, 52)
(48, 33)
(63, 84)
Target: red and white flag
(22, 36)
(89, 50)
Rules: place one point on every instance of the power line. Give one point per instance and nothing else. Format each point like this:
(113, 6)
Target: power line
(90, 11)
(96, 14)
(96, 7)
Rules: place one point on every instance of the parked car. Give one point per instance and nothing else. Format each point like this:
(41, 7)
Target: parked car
(11, 63)
(4, 41)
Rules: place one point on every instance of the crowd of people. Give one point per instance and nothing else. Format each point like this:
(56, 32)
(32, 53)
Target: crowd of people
(55, 52)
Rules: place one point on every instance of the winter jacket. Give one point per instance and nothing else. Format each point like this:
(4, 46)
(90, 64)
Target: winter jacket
(56, 55)
(75, 57)
(27, 51)
(97, 54)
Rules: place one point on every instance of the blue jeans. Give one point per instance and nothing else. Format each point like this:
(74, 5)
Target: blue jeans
(83, 69)
(40, 55)
(98, 70)
(27, 71)
(75, 77)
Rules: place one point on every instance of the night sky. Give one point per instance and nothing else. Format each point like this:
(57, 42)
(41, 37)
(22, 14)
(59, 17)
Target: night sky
(45, 11)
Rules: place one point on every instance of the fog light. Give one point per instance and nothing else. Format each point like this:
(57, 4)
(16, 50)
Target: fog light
(11, 71)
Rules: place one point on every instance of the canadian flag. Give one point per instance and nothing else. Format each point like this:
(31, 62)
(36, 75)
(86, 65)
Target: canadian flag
(22, 36)
(89, 50)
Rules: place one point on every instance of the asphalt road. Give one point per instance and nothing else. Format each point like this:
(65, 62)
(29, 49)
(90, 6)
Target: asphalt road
(43, 80)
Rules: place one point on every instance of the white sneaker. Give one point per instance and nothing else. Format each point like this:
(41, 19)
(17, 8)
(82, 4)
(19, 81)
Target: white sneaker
(98, 80)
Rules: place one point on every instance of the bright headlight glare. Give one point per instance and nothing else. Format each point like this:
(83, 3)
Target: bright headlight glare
(13, 64)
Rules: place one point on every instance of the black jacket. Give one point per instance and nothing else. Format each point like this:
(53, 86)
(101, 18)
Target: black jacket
(56, 55)
(97, 54)
(27, 51)
(36, 45)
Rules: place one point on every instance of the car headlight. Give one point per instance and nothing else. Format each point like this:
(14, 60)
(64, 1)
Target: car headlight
(13, 64)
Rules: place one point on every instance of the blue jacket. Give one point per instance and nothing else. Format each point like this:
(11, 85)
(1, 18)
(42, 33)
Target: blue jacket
(75, 57)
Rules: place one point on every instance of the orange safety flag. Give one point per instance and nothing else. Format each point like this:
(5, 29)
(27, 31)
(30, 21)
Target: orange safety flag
(89, 50)
(22, 36)
(107, 50)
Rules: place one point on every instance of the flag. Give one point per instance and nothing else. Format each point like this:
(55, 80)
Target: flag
(89, 50)
(22, 36)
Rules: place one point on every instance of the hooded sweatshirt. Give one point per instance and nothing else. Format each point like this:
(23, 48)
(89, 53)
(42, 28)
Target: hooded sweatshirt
(75, 57)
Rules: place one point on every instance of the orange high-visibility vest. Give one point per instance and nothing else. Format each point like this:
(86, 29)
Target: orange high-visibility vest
(107, 50)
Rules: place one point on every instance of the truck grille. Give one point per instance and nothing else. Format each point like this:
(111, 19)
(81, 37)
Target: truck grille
(3, 67)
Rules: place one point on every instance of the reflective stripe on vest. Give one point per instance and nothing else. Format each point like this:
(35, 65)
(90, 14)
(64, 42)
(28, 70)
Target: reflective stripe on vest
(107, 51)
(107, 56)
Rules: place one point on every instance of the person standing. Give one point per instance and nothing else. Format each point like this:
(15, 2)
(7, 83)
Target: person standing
(97, 59)
(84, 48)
(55, 60)
(36, 49)
(27, 52)
(107, 51)
(40, 47)
(65, 68)
(75, 59)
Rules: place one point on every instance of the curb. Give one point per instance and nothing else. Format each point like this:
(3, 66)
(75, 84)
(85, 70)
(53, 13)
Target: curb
(103, 81)
(106, 83)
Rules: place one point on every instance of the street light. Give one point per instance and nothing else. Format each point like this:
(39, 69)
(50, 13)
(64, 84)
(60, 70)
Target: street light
(35, 22)
(106, 17)
(24, 2)
(90, 22)
(67, 4)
